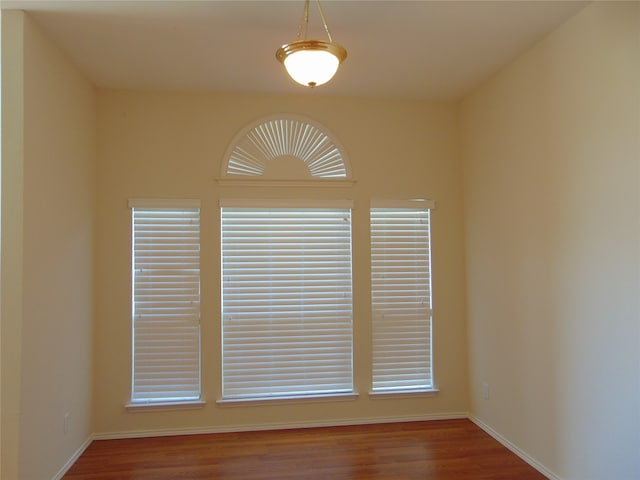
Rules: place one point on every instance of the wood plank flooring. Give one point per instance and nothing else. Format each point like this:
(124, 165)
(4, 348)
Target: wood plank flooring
(434, 450)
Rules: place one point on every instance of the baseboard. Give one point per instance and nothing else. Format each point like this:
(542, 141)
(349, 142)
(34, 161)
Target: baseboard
(276, 426)
(520, 453)
(65, 468)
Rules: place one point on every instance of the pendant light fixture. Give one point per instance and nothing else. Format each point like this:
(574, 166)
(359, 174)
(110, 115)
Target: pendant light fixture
(311, 62)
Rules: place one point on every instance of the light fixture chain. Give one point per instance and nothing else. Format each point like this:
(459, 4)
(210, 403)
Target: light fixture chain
(304, 21)
(324, 20)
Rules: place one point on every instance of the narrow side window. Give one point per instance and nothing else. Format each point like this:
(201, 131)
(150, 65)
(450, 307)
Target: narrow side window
(165, 304)
(401, 299)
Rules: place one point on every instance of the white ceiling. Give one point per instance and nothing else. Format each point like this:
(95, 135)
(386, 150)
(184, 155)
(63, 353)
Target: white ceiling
(414, 49)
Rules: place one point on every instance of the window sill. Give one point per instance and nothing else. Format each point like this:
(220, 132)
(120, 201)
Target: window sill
(262, 182)
(389, 394)
(164, 406)
(337, 397)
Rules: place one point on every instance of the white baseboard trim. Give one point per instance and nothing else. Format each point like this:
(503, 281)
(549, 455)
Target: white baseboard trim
(65, 468)
(276, 426)
(520, 453)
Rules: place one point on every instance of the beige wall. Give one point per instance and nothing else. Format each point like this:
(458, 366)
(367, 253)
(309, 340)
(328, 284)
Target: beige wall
(11, 261)
(164, 145)
(551, 153)
(48, 200)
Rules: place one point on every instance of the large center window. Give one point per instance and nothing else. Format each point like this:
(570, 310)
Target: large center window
(286, 300)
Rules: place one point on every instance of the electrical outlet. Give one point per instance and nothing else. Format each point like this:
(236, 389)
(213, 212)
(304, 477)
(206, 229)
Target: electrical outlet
(484, 391)
(67, 422)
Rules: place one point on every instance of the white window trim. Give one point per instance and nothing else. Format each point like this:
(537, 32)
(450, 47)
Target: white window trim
(286, 400)
(284, 203)
(163, 203)
(261, 182)
(165, 406)
(393, 394)
(412, 203)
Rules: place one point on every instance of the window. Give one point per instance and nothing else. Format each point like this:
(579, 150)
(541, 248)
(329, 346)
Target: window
(401, 297)
(286, 300)
(265, 149)
(166, 302)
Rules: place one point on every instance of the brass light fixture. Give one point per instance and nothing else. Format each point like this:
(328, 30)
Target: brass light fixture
(311, 62)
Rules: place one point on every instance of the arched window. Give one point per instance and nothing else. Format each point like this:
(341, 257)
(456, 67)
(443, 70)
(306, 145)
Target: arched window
(285, 147)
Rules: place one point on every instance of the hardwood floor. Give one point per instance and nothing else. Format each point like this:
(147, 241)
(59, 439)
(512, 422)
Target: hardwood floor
(442, 450)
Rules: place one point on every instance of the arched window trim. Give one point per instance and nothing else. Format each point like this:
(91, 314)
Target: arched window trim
(242, 180)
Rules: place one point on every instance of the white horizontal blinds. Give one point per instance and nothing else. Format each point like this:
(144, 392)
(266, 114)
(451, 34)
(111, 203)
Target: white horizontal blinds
(287, 302)
(166, 304)
(401, 299)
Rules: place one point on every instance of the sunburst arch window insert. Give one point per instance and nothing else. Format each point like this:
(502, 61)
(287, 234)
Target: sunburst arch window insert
(285, 136)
